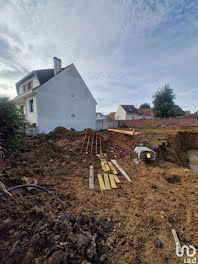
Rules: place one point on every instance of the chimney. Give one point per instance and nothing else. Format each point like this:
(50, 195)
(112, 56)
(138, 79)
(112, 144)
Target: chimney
(57, 65)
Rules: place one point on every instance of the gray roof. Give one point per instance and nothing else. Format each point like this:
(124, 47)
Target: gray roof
(130, 109)
(178, 110)
(44, 75)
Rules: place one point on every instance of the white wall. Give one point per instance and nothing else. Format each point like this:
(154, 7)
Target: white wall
(120, 113)
(35, 84)
(147, 117)
(31, 116)
(105, 124)
(60, 97)
(131, 116)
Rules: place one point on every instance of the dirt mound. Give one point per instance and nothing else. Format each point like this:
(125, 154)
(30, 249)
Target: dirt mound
(39, 228)
(130, 224)
(38, 234)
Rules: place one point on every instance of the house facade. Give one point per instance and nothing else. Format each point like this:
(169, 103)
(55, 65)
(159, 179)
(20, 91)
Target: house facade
(127, 112)
(56, 97)
(146, 113)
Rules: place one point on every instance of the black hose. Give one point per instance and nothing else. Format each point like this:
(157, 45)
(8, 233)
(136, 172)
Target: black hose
(34, 186)
(28, 185)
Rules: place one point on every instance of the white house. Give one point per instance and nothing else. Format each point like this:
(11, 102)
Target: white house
(127, 112)
(56, 97)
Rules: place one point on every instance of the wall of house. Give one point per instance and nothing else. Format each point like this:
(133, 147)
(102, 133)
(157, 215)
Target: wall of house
(31, 116)
(35, 84)
(132, 116)
(65, 101)
(147, 117)
(120, 114)
(24, 101)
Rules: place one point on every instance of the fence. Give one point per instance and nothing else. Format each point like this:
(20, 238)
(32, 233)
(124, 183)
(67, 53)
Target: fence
(179, 121)
(105, 124)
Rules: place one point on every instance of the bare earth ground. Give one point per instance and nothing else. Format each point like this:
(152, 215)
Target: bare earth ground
(131, 224)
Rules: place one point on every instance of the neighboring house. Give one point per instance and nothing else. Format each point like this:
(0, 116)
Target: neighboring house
(111, 116)
(188, 112)
(145, 113)
(100, 116)
(56, 97)
(194, 115)
(178, 110)
(127, 112)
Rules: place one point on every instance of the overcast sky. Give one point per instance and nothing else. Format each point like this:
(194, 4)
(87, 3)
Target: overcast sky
(124, 49)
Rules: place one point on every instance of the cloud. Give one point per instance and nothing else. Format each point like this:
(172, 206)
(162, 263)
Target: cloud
(11, 74)
(3, 86)
(124, 49)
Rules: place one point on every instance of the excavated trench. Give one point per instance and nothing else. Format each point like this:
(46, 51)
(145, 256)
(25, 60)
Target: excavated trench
(193, 159)
(182, 149)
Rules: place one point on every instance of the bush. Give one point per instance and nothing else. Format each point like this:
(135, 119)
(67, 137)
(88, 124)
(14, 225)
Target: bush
(12, 125)
(145, 105)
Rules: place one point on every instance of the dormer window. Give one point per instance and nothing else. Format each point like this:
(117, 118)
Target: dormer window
(28, 86)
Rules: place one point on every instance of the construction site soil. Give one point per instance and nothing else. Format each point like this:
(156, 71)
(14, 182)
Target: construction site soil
(130, 224)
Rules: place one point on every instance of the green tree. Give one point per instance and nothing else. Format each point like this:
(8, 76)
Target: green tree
(12, 125)
(164, 102)
(145, 105)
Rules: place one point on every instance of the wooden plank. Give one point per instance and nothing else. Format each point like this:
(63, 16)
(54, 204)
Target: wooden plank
(121, 170)
(83, 143)
(92, 144)
(91, 177)
(112, 168)
(124, 131)
(112, 180)
(96, 145)
(101, 182)
(107, 167)
(106, 180)
(117, 180)
(87, 148)
(103, 167)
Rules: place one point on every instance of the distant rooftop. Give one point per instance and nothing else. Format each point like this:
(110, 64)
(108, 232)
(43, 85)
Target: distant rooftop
(130, 109)
(145, 111)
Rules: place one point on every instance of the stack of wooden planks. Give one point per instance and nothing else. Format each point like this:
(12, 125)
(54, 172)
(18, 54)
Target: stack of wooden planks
(110, 178)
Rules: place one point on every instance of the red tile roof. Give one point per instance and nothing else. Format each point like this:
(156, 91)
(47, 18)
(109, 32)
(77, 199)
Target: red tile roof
(145, 111)
(111, 116)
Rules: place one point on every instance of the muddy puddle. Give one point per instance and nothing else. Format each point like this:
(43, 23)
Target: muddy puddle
(193, 159)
